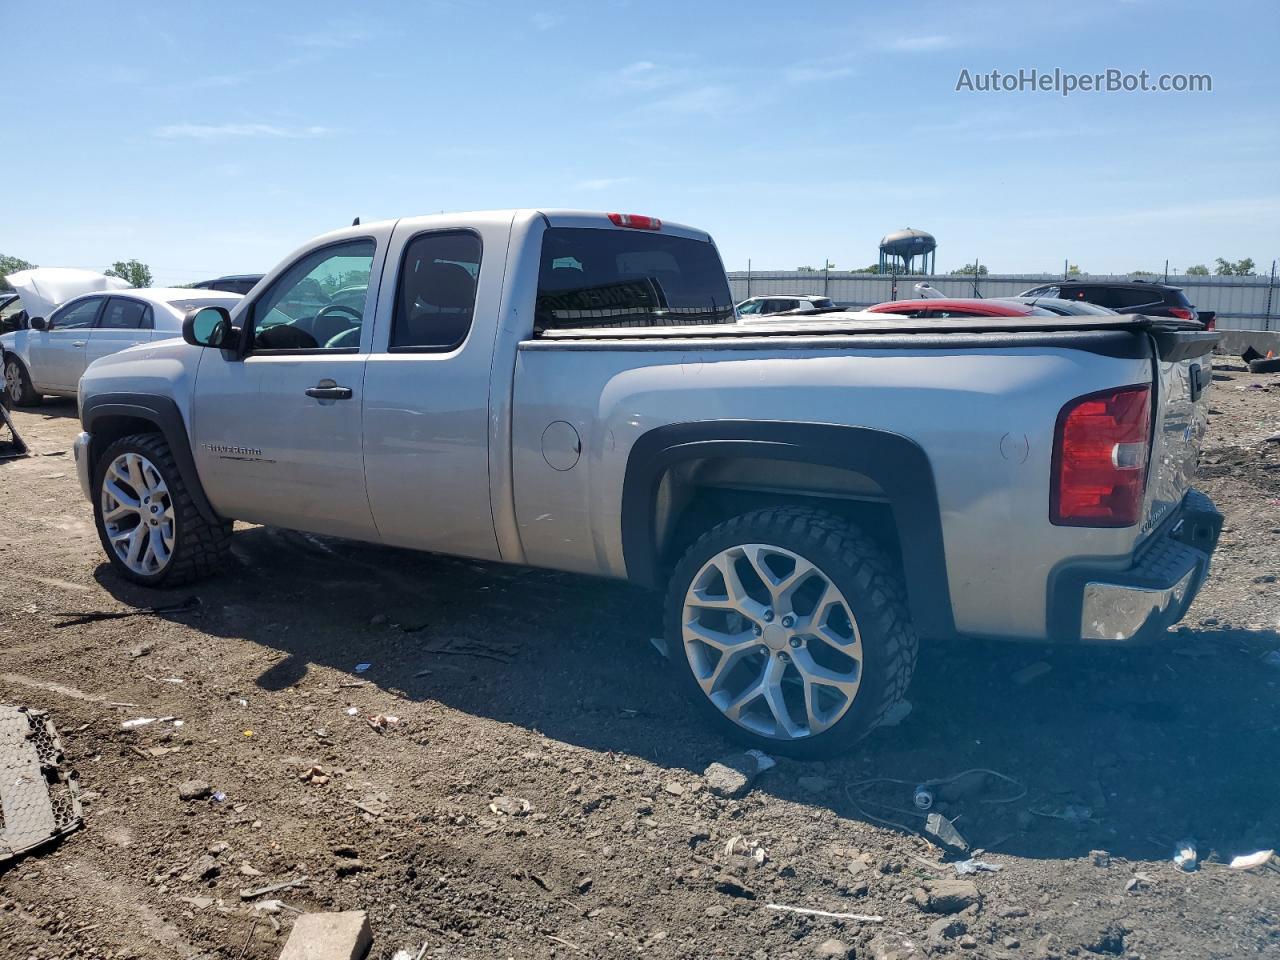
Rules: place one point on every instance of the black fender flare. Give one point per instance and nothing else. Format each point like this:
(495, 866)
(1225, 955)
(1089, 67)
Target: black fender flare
(896, 463)
(164, 413)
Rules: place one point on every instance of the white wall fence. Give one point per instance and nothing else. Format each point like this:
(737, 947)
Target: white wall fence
(1243, 303)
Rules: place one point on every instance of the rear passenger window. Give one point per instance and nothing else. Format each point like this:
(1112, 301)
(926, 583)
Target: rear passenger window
(125, 315)
(591, 277)
(436, 298)
(1138, 298)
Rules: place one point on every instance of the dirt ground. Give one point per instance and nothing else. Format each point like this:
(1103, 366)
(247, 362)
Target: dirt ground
(532, 686)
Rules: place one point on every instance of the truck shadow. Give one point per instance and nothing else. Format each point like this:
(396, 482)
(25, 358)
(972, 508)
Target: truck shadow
(1123, 750)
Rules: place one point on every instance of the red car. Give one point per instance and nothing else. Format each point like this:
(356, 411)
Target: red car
(958, 308)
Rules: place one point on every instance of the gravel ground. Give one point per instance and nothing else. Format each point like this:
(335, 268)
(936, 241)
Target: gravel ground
(542, 791)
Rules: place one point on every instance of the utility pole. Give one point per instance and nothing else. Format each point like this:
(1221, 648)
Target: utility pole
(748, 279)
(1266, 325)
(1065, 269)
(1166, 269)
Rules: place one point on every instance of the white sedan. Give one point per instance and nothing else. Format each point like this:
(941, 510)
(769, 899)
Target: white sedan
(50, 356)
(756, 307)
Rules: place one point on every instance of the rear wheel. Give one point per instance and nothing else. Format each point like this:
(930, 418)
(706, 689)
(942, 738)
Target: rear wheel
(147, 522)
(788, 628)
(17, 383)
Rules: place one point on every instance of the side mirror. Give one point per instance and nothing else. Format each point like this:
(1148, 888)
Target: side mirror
(208, 327)
(37, 323)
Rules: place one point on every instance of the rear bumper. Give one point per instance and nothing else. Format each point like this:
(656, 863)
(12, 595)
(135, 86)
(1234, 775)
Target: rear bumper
(1100, 604)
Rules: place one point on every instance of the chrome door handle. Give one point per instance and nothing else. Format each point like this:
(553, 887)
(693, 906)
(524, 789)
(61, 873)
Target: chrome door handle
(78, 343)
(329, 393)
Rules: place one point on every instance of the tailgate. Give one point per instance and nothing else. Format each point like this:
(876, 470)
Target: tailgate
(1183, 374)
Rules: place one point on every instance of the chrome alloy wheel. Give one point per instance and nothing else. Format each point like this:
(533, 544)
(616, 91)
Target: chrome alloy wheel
(13, 381)
(137, 513)
(772, 641)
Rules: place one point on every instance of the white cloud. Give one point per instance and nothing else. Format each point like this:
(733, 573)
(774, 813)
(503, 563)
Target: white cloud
(818, 72)
(603, 183)
(234, 131)
(710, 98)
(335, 35)
(921, 44)
(545, 20)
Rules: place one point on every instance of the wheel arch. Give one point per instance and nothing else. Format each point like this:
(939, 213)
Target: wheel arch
(667, 467)
(109, 417)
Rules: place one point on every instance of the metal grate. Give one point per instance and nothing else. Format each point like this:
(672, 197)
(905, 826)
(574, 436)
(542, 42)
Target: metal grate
(39, 797)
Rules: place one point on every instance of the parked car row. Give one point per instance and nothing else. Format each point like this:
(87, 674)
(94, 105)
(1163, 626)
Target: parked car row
(51, 353)
(1064, 298)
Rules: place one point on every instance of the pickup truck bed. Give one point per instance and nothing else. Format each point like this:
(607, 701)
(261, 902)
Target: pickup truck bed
(527, 386)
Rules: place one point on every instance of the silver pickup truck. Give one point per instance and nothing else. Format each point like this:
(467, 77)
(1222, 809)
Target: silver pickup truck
(573, 390)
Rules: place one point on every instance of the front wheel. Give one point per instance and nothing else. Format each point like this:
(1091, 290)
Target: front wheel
(788, 628)
(18, 389)
(147, 522)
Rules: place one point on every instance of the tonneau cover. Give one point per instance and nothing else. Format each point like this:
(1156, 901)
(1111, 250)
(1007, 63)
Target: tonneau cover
(855, 322)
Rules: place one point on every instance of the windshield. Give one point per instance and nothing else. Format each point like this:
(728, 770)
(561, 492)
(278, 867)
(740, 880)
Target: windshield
(594, 277)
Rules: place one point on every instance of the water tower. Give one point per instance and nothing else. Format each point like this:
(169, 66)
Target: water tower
(899, 252)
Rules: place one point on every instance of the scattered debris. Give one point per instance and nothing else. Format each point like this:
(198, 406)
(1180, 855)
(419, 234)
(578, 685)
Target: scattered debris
(834, 948)
(939, 826)
(1100, 858)
(730, 886)
(353, 711)
(1185, 857)
(1139, 881)
(39, 799)
(329, 936)
(660, 644)
(253, 894)
(13, 445)
(860, 917)
(732, 775)
(382, 721)
(1250, 860)
(964, 867)
(362, 667)
(1071, 813)
(193, 790)
(314, 775)
(510, 806)
(922, 797)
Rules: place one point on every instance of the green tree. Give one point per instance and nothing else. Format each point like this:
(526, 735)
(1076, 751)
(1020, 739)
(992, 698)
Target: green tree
(970, 270)
(874, 268)
(1073, 270)
(1241, 268)
(807, 269)
(10, 265)
(135, 271)
(1197, 270)
(1141, 273)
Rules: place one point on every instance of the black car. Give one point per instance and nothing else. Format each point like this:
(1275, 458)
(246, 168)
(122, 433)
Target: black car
(1125, 296)
(240, 283)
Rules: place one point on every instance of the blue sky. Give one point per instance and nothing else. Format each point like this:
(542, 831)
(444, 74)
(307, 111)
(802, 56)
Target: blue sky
(214, 138)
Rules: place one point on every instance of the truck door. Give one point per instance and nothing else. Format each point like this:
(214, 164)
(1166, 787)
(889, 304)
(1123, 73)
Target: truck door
(277, 433)
(426, 396)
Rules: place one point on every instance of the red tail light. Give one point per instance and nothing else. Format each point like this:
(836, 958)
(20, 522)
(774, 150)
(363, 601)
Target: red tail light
(1100, 451)
(1182, 313)
(635, 221)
